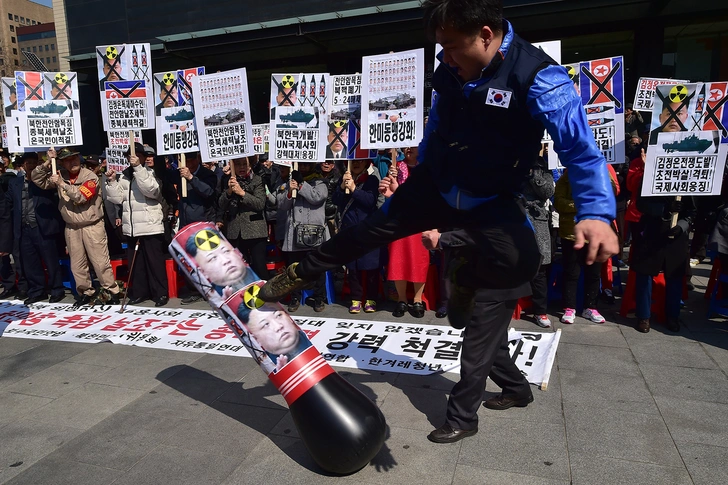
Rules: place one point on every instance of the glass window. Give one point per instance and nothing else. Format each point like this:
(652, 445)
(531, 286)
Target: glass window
(53, 47)
(15, 51)
(10, 17)
(54, 58)
(16, 19)
(2, 61)
(16, 62)
(12, 39)
(12, 28)
(3, 72)
(22, 20)
(46, 47)
(33, 22)
(36, 51)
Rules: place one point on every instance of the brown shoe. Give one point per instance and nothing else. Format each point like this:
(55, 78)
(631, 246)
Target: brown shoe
(501, 402)
(643, 325)
(448, 434)
(673, 324)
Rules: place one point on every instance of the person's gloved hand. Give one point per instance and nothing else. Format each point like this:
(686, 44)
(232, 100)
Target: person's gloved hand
(674, 206)
(296, 175)
(676, 231)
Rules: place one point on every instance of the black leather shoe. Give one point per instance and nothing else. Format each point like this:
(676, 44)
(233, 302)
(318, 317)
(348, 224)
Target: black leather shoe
(21, 295)
(448, 434)
(191, 299)
(56, 298)
(82, 300)
(161, 301)
(8, 293)
(400, 310)
(643, 325)
(319, 306)
(673, 324)
(113, 299)
(138, 300)
(501, 402)
(441, 313)
(418, 309)
(34, 299)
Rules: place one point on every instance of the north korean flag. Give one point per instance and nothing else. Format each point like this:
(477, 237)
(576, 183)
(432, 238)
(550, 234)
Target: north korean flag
(602, 81)
(716, 116)
(125, 89)
(29, 86)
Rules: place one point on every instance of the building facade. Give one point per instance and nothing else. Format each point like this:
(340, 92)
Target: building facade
(658, 38)
(40, 40)
(15, 14)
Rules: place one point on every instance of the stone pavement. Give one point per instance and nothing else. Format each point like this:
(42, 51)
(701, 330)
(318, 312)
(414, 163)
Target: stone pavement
(621, 408)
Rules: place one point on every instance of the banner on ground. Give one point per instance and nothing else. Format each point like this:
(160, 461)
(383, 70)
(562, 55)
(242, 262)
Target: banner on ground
(261, 138)
(48, 112)
(125, 86)
(221, 99)
(118, 145)
(343, 136)
(645, 95)
(175, 113)
(348, 343)
(298, 116)
(686, 154)
(392, 99)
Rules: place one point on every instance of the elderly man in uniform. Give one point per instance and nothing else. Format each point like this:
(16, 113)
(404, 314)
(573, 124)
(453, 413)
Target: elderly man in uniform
(495, 95)
(82, 209)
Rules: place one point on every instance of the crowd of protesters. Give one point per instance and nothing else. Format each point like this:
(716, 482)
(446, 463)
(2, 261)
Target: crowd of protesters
(88, 213)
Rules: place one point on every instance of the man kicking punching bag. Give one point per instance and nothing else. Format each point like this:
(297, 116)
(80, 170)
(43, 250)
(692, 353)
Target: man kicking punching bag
(342, 428)
(495, 95)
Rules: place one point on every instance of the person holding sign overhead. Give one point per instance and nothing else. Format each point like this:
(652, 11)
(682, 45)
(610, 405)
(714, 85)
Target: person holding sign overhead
(495, 95)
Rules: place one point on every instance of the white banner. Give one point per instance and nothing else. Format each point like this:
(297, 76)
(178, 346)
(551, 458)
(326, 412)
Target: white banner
(392, 347)
(392, 99)
(223, 115)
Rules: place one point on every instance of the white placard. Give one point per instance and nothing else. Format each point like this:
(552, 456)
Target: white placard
(645, 94)
(392, 99)
(261, 138)
(224, 128)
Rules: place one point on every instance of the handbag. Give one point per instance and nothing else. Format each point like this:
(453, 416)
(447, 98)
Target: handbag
(307, 236)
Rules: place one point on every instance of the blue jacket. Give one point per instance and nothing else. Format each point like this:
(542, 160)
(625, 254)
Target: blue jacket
(47, 215)
(550, 99)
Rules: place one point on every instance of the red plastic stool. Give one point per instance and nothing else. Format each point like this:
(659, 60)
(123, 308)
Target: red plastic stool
(522, 305)
(629, 301)
(713, 279)
(174, 279)
(116, 264)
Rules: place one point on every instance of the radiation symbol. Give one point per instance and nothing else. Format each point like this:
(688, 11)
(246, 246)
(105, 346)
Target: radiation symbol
(571, 72)
(678, 93)
(340, 123)
(168, 78)
(250, 298)
(61, 78)
(111, 52)
(207, 240)
(287, 81)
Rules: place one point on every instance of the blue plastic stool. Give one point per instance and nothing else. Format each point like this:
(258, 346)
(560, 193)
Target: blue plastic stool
(68, 280)
(330, 293)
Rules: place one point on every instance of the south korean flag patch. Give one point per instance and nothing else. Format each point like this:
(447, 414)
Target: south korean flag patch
(499, 98)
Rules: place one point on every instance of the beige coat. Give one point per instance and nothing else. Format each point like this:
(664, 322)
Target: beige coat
(75, 209)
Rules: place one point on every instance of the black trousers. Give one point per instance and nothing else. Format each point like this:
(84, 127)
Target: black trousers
(253, 251)
(502, 257)
(149, 275)
(574, 262)
(485, 354)
(540, 290)
(10, 272)
(356, 288)
(35, 251)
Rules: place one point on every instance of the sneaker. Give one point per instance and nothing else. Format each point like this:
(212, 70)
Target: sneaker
(191, 299)
(569, 315)
(355, 306)
(694, 262)
(593, 315)
(282, 284)
(370, 306)
(542, 321)
(293, 306)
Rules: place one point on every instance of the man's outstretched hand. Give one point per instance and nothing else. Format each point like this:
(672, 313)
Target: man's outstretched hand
(602, 240)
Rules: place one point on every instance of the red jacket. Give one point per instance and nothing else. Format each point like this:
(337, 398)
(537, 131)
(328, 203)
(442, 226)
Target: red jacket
(634, 184)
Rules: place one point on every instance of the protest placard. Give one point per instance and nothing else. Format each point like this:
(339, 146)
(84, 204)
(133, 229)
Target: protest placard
(4, 133)
(261, 136)
(118, 145)
(298, 121)
(553, 50)
(343, 138)
(122, 65)
(392, 99)
(48, 109)
(221, 100)
(9, 95)
(176, 124)
(688, 143)
(645, 94)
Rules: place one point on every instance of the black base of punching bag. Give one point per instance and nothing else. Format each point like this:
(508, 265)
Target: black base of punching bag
(341, 427)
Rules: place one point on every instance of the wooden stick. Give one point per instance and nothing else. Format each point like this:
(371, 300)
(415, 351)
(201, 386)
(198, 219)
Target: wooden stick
(54, 167)
(183, 163)
(675, 215)
(294, 192)
(348, 169)
(393, 154)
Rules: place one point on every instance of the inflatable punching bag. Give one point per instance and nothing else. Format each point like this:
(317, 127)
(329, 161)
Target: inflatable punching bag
(341, 428)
